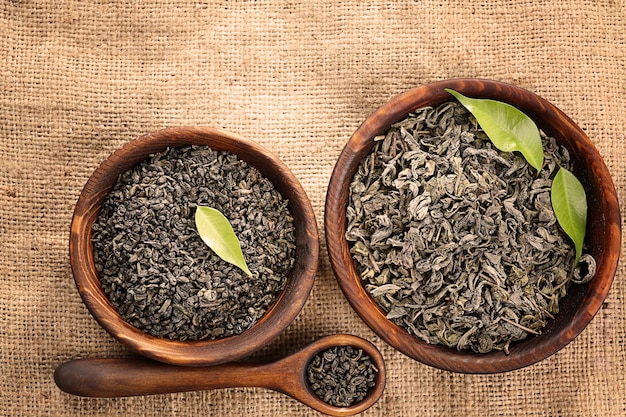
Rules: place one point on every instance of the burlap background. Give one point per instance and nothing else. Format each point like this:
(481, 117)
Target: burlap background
(80, 78)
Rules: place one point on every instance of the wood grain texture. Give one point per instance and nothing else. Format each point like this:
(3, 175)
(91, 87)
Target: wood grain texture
(132, 377)
(603, 228)
(204, 352)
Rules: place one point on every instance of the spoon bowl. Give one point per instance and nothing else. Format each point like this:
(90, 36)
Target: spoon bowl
(119, 377)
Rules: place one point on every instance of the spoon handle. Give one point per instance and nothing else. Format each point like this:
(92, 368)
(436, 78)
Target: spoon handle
(132, 377)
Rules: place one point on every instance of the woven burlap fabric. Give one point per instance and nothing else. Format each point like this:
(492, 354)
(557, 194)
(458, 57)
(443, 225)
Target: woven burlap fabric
(80, 78)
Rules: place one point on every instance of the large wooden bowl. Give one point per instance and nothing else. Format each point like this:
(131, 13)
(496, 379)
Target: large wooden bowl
(204, 352)
(603, 229)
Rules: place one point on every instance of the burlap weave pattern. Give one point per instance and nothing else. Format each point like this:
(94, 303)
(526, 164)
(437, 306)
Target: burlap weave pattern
(80, 78)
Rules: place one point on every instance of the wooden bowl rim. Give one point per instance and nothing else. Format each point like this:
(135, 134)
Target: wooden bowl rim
(204, 352)
(533, 349)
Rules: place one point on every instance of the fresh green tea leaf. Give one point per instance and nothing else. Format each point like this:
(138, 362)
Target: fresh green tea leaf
(216, 231)
(508, 128)
(569, 203)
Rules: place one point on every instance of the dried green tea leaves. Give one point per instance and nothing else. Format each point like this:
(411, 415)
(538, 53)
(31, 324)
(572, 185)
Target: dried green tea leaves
(456, 240)
(155, 268)
(569, 202)
(216, 231)
(508, 128)
(342, 375)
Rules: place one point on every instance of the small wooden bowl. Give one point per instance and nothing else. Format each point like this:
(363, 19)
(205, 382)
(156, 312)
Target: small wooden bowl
(603, 229)
(204, 352)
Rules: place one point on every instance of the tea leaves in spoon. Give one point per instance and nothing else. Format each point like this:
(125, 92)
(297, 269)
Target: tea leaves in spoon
(216, 231)
(569, 203)
(507, 127)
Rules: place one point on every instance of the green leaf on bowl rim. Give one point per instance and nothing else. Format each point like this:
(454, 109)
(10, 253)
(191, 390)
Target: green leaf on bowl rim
(569, 203)
(506, 126)
(217, 232)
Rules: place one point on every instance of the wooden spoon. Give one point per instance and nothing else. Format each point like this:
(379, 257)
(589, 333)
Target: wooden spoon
(130, 377)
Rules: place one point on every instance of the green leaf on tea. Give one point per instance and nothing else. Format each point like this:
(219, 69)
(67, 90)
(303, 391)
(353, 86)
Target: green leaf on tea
(507, 127)
(216, 231)
(569, 203)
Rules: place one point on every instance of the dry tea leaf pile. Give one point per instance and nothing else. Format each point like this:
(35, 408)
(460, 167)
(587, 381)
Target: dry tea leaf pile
(341, 376)
(456, 240)
(153, 264)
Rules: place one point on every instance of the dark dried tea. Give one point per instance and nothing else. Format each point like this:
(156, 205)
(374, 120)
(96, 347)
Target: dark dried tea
(155, 268)
(341, 376)
(455, 240)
